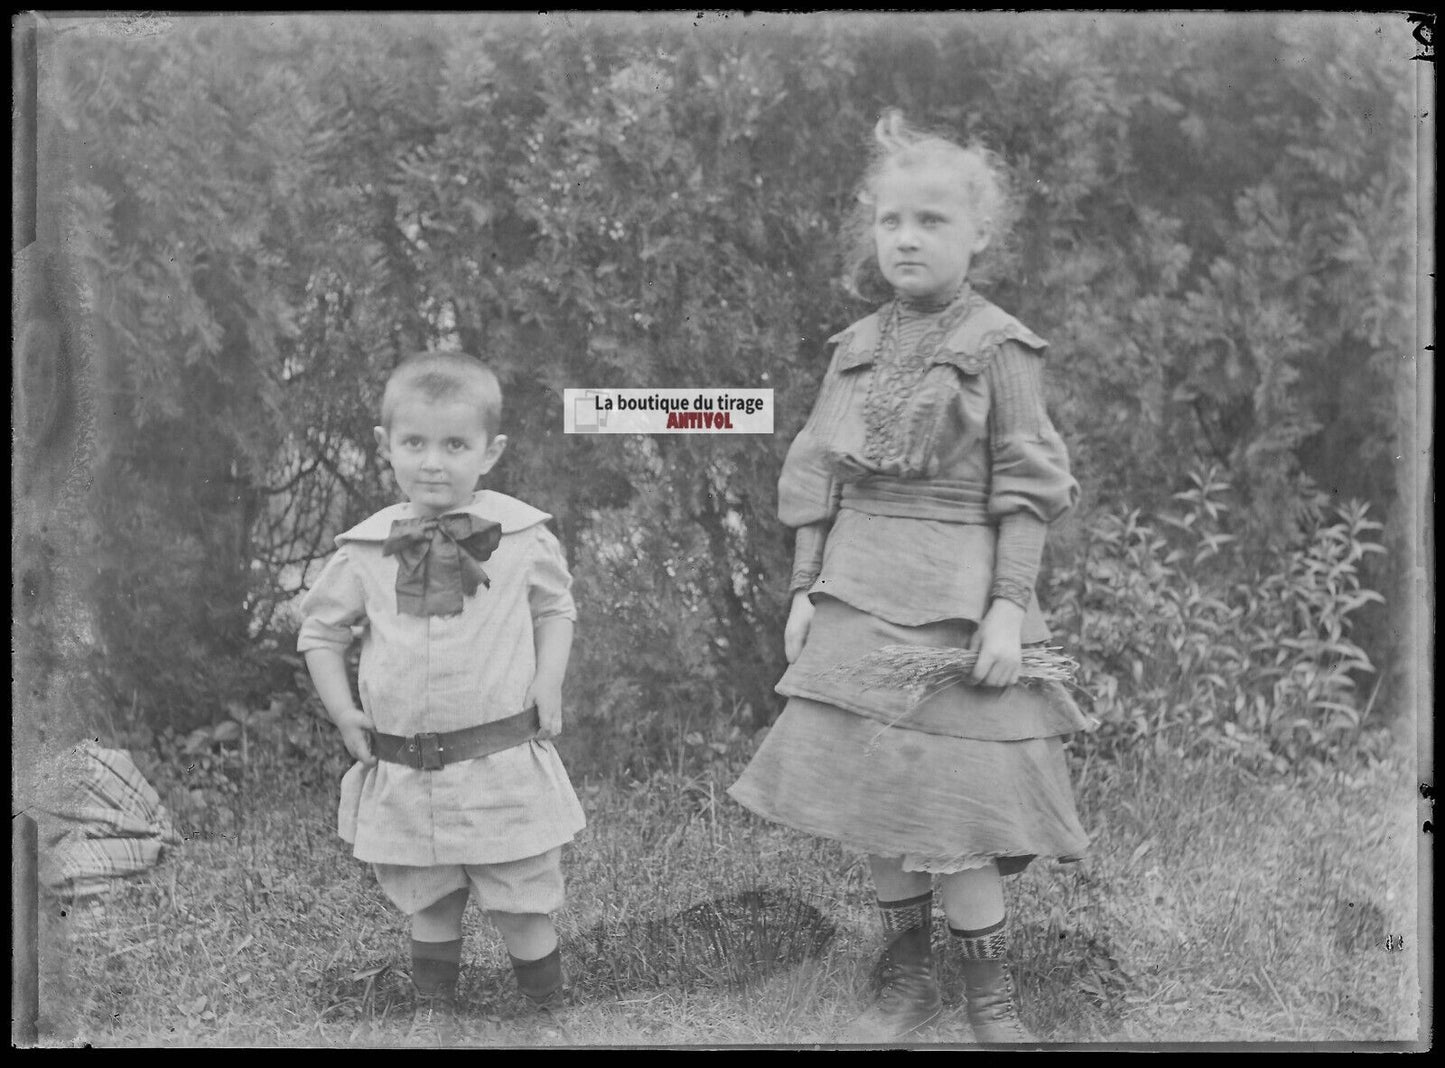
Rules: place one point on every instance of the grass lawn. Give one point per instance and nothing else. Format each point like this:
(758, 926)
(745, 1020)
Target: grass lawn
(1215, 906)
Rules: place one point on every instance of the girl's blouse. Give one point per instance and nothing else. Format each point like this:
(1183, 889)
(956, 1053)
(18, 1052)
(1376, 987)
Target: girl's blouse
(924, 480)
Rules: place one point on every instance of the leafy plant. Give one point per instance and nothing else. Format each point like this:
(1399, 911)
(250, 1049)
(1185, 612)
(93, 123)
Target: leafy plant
(1185, 640)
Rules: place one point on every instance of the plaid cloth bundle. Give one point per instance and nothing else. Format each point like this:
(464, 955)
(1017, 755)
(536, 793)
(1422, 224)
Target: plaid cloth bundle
(111, 824)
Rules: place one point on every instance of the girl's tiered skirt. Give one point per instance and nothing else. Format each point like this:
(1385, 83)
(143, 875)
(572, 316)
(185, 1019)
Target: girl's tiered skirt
(968, 777)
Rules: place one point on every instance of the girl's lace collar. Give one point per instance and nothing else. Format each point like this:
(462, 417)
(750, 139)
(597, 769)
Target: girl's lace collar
(931, 305)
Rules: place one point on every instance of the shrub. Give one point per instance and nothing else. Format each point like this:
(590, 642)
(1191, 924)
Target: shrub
(1219, 233)
(1188, 638)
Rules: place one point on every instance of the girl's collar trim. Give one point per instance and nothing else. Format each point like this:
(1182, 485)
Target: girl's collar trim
(930, 305)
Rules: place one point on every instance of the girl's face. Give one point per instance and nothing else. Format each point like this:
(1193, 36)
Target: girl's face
(924, 231)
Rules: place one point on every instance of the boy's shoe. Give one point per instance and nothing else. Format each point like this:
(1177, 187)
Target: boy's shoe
(434, 1020)
(549, 1014)
(434, 970)
(543, 989)
(554, 1003)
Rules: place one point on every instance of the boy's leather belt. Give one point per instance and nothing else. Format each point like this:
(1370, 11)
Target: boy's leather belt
(432, 751)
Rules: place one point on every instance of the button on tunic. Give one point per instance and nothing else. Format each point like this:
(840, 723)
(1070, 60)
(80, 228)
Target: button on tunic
(443, 673)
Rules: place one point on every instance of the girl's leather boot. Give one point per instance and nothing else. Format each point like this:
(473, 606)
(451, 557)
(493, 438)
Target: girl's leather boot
(988, 985)
(992, 1002)
(905, 976)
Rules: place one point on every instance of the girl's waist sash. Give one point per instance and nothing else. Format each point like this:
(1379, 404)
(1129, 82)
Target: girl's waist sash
(948, 500)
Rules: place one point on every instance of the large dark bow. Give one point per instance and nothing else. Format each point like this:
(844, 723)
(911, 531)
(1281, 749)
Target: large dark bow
(439, 561)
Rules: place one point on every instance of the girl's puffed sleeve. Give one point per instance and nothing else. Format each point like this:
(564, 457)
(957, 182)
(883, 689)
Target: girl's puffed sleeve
(808, 490)
(332, 606)
(549, 583)
(1030, 484)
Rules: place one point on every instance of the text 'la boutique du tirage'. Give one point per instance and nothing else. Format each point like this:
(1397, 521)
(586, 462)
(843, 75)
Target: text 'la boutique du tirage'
(663, 411)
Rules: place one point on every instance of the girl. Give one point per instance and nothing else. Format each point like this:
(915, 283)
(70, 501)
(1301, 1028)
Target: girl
(920, 490)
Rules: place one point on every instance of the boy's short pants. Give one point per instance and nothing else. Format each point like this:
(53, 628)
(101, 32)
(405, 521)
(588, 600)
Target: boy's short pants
(532, 885)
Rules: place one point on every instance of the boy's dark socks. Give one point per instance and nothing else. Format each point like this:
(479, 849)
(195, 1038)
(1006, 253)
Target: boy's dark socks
(539, 979)
(435, 966)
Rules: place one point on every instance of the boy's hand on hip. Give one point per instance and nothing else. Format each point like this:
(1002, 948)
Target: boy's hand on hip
(548, 699)
(1000, 652)
(355, 727)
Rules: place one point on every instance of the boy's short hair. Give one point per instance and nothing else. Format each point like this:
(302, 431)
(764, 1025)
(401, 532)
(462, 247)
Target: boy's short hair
(445, 375)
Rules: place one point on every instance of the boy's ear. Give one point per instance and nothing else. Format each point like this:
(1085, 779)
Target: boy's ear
(383, 445)
(495, 448)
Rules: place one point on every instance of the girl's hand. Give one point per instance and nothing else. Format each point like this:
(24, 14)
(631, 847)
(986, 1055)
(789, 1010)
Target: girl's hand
(1000, 652)
(355, 727)
(547, 696)
(800, 619)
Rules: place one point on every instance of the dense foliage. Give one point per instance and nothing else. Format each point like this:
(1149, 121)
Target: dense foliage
(1216, 235)
(1184, 640)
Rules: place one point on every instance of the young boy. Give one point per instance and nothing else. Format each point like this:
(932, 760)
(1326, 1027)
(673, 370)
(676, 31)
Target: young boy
(466, 604)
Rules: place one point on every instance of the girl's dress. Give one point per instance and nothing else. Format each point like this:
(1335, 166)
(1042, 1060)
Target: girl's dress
(921, 488)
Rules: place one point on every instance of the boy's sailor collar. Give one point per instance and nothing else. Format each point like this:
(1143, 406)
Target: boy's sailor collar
(514, 515)
(969, 347)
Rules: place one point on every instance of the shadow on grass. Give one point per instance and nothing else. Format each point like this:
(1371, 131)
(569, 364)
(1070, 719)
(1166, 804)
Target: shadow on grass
(724, 943)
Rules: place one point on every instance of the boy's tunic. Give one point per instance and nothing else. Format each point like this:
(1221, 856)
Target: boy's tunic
(443, 673)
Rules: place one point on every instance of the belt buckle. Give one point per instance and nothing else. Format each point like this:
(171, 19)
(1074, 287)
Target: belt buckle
(428, 748)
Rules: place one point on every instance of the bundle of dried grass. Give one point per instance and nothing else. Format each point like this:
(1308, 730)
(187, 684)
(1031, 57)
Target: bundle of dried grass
(921, 672)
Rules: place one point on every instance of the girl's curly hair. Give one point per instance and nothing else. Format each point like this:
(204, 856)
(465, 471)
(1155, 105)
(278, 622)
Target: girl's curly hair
(981, 174)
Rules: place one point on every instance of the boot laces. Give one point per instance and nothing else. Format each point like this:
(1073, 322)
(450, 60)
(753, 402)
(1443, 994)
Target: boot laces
(890, 986)
(895, 977)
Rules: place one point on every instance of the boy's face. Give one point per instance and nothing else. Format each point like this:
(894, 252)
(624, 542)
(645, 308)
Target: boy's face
(438, 450)
(925, 233)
